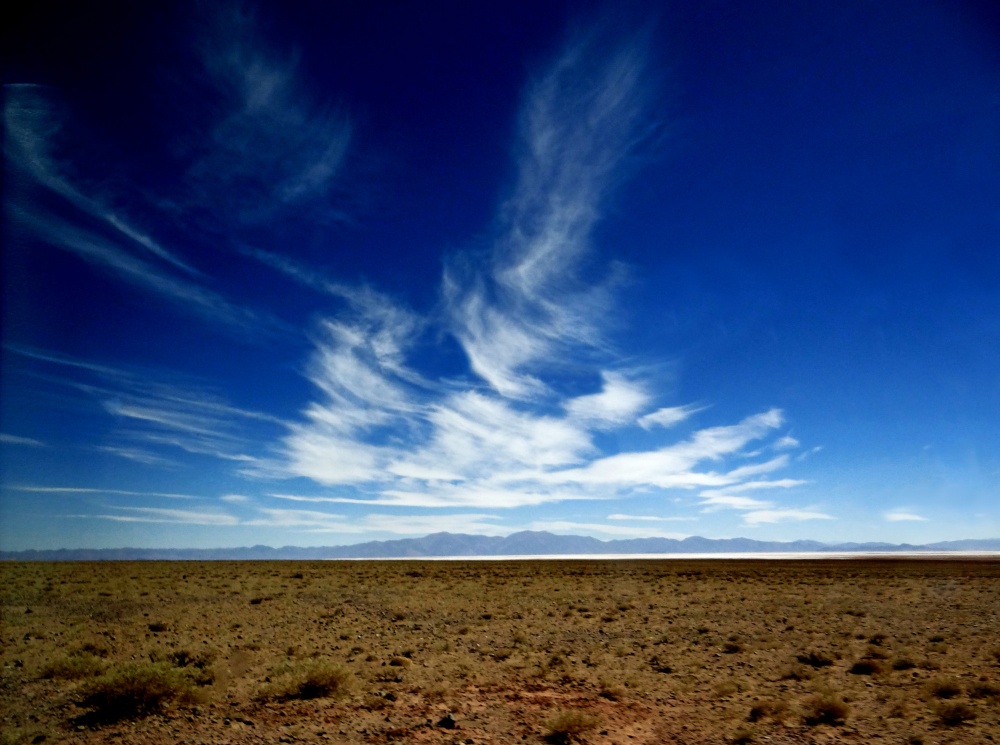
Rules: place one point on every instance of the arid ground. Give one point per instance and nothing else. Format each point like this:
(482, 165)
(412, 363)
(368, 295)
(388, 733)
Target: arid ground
(604, 651)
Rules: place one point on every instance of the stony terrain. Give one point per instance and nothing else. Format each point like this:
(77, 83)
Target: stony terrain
(671, 651)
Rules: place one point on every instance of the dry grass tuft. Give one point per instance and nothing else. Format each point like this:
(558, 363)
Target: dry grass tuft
(315, 679)
(568, 726)
(954, 713)
(135, 690)
(825, 708)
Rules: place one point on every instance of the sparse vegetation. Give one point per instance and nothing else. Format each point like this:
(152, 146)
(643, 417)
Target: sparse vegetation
(824, 708)
(944, 687)
(954, 713)
(135, 690)
(736, 651)
(568, 726)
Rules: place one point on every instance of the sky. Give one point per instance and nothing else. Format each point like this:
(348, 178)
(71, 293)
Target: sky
(322, 273)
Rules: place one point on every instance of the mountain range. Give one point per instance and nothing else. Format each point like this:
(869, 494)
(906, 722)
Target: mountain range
(525, 543)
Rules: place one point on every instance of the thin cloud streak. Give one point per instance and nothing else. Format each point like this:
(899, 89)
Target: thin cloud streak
(903, 515)
(580, 120)
(152, 409)
(161, 515)
(7, 439)
(275, 147)
(569, 526)
(94, 490)
(379, 433)
(761, 517)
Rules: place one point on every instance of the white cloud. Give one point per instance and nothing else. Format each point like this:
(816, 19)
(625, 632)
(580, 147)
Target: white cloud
(759, 517)
(668, 416)
(93, 490)
(729, 497)
(628, 531)
(902, 515)
(672, 466)
(411, 525)
(616, 404)
(276, 145)
(95, 232)
(235, 498)
(160, 515)
(786, 443)
(385, 435)
(6, 439)
(579, 121)
(716, 502)
(138, 455)
(649, 518)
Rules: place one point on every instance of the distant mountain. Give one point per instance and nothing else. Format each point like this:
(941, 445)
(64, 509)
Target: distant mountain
(525, 543)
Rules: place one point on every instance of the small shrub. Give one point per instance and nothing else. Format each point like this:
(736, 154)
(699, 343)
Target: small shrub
(732, 648)
(567, 726)
(815, 659)
(73, 667)
(659, 665)
(611, 690)
(824, 709)
(797, 672)
(743, 736)
(944, 688)
(866, 667)
(984, 690)
(318, 679)
(902, 663)
(135, 690)
(727, 688)
(765, 709)
(954, 713)
(158, 627)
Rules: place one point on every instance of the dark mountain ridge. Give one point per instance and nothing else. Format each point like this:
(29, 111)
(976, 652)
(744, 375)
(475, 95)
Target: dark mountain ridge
(525, 543)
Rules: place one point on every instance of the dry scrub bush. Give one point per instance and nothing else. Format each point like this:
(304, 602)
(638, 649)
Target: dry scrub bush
(136, 690)
(775, 709)
(815, 659)
(824, 708)
(568, 726)
(317, 679)
(944, 688)
(866, 667)
(73, 667)
(954, 713)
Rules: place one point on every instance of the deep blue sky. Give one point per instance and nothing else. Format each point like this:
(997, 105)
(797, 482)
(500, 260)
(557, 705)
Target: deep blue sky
(310, 273)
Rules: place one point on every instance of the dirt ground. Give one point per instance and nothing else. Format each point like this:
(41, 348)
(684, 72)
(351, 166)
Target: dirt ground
(600, 652)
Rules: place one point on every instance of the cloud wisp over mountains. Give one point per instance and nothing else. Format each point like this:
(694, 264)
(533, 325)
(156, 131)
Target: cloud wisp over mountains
(511, 433)
(546, 407)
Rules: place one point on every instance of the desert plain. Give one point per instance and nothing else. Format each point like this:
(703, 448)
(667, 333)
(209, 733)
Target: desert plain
(477, 652)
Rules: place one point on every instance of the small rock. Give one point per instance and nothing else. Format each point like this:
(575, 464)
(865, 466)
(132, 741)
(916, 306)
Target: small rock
(447, 721)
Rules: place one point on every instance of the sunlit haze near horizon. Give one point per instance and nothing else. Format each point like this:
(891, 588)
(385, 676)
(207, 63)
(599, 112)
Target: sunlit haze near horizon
(323, 273)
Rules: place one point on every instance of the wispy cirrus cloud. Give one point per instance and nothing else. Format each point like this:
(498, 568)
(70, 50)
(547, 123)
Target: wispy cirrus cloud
(7, 439)
(580, 120)
(156, 416)
(163, 515)
(48, 205)
(760, 517)
(275, 145)
(96, 491)
(649, 518)
(380, 433)
(902, 515)
(619, 531)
